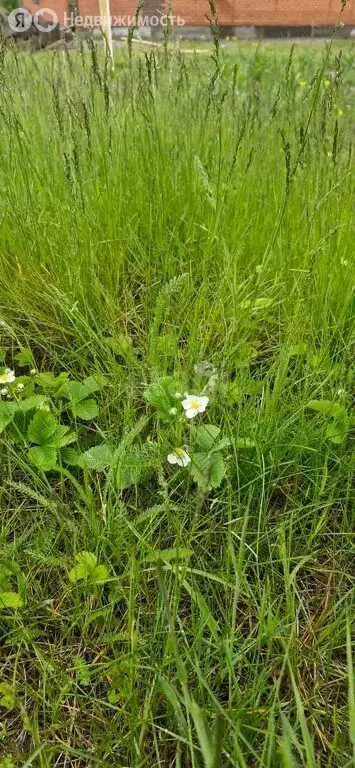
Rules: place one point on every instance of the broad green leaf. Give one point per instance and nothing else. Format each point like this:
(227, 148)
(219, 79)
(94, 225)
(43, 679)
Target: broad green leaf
(298, 350)
(234, 394)
(43, 456)
(25, 357)
(323, 406)
(174, 553)
(207, 470)
(42, 427)
(337, 431)
(100, 574)
(339, 411)
(95, 383)
(199, 469)
(10, 600)
(56, 384)
(237, 390)
(206, 436)
(80, 390)
(5, 574)
(87, 558)
(7, 762)
(75, 391)
(30, 403)
(121, 345)
(245, 353)
(85, 409)
(216, 470)
(83, 672)
(79, 572)
(8, 696)
(18, 427)
(6, 415)
(59, 385)
(99, 457)
(161, 395)
(127, 476)
(244, 442)
(221, 445)
(63, 437)
(329, 408)
(114, 697)
(45, 380)
(9, 566)
(87, 568)
(71, 456)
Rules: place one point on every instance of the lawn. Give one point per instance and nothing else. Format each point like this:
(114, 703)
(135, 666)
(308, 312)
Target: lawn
(180, 226)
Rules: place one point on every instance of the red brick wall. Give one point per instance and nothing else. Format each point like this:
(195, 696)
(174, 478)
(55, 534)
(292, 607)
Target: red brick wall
(267, 12)
(230, 12)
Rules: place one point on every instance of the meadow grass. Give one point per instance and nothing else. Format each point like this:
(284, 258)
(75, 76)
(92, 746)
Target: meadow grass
(181, 209)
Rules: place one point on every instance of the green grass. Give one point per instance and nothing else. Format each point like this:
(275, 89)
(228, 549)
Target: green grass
(143, 216)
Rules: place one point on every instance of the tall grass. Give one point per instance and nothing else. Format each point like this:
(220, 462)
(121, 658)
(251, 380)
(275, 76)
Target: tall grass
(184, 208)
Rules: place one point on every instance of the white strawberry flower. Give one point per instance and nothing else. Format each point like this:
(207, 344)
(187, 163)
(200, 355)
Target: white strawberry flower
(179, 457)
(43, 406)
(8, 377)
(20, 387)
(194, 404)
(4, 391)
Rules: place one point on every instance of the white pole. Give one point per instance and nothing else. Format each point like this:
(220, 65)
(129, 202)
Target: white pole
(105, 14)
